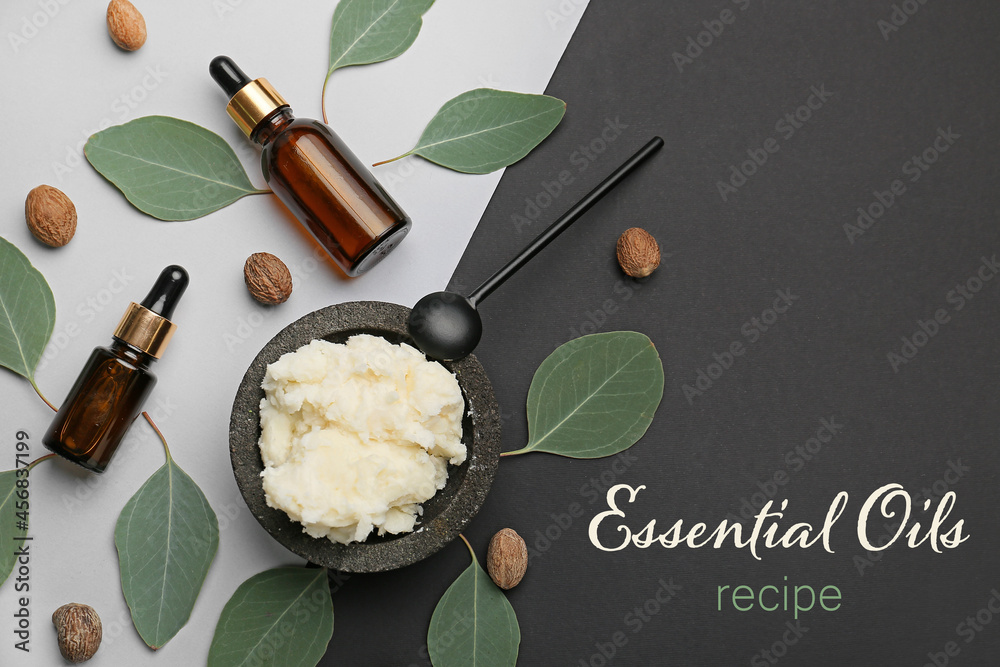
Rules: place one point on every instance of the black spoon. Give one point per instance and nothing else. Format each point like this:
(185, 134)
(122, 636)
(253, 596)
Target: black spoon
(446, 325)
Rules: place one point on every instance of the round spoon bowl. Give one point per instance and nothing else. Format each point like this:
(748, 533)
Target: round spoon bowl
(445, 325)
(444, 516)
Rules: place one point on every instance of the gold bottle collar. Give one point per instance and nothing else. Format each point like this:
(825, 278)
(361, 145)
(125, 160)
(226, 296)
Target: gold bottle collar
(253, 103)
(143, 329)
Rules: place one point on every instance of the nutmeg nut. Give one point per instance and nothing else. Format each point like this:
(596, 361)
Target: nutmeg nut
(507, 559)
(638, 252)
(78, 629)
(126, 25)
(50, 215)
(267, 278)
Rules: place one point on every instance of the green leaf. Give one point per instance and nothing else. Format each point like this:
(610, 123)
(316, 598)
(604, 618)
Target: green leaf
(10, 533)
(27, 312)
(279, 618)
(370, 31)
(166, 536)
(484, 130)
(169, 168)
(594, 396)
(473, 624)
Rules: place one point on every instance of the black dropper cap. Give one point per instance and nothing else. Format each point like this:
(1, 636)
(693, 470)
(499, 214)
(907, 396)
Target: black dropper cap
(147, 326)
(228, 75)
(250, 101)
(166, 291)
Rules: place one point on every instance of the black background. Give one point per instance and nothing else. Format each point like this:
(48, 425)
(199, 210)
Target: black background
(826, 357)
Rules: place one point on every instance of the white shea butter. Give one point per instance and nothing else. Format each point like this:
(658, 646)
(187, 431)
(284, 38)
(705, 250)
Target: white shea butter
(355, 436)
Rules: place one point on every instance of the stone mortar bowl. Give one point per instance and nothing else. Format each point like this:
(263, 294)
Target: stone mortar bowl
(445, 515)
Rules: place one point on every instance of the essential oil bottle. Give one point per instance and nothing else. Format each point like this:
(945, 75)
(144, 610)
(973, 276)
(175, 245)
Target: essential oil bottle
(315, 174)
(109, 393)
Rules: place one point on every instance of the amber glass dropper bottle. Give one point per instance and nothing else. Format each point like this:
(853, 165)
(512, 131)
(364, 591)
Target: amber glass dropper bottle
(109, 393)
(315, 174)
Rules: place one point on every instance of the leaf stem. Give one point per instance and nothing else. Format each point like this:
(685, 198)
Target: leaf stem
(39, 460)
(41, 395)
(471, 552)
(265, 191)
(323, 100)
(379, 164)
(516, 452)
(162, 439)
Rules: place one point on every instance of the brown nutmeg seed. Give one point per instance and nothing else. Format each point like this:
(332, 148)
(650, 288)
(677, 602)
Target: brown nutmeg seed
(507, 559)
(267, 278)
(126, 25)
(50, 215)
(638, 252)
(78, 630)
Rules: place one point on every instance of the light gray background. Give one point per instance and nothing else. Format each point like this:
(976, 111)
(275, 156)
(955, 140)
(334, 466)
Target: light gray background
(66, 80)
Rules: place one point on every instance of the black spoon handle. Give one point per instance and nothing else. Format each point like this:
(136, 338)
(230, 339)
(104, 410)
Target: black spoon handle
(567, 219)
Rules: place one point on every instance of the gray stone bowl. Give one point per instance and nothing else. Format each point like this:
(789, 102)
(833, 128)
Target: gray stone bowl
(445, 515)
